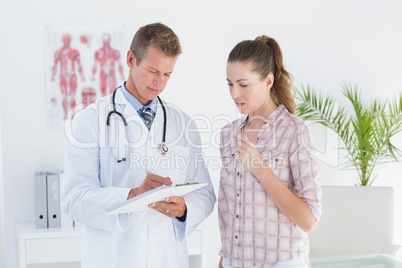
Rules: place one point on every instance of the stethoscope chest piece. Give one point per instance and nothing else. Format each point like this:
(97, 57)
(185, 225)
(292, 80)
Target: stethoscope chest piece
(163, 148)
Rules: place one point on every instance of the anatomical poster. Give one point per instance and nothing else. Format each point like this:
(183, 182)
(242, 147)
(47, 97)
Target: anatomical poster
(82, 64)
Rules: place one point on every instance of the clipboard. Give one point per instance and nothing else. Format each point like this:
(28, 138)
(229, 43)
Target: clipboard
(141, 201)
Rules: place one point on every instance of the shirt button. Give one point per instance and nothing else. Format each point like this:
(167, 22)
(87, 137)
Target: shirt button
(265, 122)
(238, 173)
(236, 237)
(238, 194)
(237, 216)
(233, 155)
(153, 240)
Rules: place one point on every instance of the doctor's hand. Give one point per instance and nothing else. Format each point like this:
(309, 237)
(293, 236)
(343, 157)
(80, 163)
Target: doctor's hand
(174, 206)
(150, 182)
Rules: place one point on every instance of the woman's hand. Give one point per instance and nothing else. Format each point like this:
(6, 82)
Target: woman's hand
(291, 205)
(220, 263)
(249, 156)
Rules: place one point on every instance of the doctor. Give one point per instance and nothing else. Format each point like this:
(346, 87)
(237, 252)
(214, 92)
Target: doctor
(126, 144)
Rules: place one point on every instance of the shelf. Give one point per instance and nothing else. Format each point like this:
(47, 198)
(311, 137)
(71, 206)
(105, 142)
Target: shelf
(62, 245)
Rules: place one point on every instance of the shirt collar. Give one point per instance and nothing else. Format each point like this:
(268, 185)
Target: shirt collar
(135, 103)
(271, 119)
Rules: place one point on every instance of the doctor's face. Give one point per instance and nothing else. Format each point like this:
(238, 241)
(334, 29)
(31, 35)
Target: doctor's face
(148, 79)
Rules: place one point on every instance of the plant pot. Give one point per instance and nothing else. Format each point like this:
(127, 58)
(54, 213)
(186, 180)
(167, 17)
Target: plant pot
(355, 220)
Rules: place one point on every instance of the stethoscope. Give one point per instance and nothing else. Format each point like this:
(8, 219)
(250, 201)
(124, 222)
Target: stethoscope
(163, 148)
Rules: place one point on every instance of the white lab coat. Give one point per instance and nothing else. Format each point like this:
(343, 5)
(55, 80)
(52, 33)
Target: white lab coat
(94, 181)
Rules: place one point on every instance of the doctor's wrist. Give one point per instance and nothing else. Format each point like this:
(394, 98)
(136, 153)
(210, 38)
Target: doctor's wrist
(183, 217)
(133, 193)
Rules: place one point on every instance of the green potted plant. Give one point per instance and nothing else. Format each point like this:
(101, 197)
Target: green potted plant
(366, 134)
(352, 216)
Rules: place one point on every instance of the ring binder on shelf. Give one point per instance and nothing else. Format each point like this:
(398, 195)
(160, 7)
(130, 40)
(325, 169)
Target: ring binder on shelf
(53, 200)
(41, 200)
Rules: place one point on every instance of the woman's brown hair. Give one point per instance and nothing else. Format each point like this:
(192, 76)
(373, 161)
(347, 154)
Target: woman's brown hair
(266, 56)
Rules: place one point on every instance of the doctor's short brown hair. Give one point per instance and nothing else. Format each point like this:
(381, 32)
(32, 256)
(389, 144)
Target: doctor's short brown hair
(158, 35)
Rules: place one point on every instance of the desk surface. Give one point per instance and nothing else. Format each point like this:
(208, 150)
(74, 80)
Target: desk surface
(59, 245)
(361, 261)
(28, 230)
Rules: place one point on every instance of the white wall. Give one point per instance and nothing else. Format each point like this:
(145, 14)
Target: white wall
(324, 43)
(2, 220)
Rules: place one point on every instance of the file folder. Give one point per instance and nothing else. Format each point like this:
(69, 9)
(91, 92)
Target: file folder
(40, 200)
(53, 200)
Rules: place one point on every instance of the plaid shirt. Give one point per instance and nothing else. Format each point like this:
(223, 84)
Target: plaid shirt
(254, 232)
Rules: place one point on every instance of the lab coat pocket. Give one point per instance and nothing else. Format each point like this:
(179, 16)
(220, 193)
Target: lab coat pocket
(99, 249)
(175, 164)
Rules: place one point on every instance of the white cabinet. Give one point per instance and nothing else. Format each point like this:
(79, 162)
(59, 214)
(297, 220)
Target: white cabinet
(64, 245)
(63, 249)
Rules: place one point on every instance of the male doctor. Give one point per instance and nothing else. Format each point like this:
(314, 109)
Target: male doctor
(109, 162)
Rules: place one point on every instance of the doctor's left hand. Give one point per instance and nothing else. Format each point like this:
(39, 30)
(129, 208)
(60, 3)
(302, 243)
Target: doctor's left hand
(174, 206)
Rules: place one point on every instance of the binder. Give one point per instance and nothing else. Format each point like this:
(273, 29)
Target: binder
(40, 200)
(53, 200)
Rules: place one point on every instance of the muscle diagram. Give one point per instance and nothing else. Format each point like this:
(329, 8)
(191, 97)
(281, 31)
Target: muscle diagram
(107, 58)
(69, 61)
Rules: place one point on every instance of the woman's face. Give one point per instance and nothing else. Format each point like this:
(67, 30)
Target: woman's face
(250, 93)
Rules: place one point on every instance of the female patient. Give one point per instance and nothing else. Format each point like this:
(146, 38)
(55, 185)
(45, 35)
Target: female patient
(269, 196)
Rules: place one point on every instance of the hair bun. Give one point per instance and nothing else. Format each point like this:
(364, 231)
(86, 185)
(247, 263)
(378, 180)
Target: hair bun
(264, 39)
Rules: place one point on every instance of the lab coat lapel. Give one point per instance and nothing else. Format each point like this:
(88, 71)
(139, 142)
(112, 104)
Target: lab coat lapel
(128, 111)
(156, 130)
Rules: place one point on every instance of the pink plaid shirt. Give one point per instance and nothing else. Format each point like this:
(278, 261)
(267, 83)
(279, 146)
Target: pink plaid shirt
(254, 232)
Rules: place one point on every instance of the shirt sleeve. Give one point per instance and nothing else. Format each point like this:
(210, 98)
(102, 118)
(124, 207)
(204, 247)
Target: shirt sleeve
(305, 170)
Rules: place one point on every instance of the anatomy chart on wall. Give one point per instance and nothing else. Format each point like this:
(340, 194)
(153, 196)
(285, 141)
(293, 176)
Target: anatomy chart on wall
(83, 63)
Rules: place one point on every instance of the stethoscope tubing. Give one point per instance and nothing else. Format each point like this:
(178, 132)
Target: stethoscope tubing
(115, 111)
(163, 146)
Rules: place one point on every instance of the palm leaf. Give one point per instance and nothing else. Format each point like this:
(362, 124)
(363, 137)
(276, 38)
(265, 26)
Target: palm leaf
(366, 134)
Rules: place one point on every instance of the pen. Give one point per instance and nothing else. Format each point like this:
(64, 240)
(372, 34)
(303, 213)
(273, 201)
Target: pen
(188, 183)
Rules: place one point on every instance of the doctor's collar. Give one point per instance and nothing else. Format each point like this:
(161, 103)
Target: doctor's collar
(136, 103)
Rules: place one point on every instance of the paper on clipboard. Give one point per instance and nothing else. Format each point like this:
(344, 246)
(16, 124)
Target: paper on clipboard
(141, 202)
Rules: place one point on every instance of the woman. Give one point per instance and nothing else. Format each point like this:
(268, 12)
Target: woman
(269, 196)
